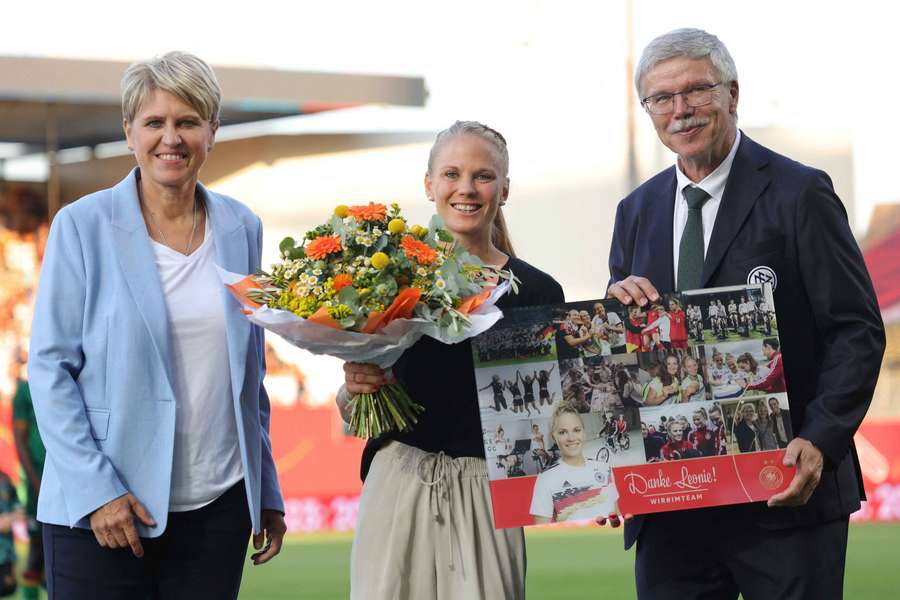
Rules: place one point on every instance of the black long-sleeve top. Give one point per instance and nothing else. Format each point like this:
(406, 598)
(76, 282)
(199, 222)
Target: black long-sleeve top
(441, 377)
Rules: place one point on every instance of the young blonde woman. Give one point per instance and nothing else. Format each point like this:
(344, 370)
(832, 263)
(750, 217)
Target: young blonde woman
(576, 487)
(425, 527)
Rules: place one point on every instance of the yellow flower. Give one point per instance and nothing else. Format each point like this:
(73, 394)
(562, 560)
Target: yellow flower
(418, 230)
(380, 260)
(341, 311)
(341, 210)
(397, 226)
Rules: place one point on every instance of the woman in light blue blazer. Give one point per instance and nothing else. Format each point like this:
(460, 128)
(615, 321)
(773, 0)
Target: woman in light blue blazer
(146, 377)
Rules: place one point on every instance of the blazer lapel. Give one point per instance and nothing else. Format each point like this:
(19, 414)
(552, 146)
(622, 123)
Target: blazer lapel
(660, 263)
(138, 263)
(746, 183)
(232, 254)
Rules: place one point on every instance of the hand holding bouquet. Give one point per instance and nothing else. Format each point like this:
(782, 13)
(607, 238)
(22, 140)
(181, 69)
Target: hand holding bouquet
(364, 287)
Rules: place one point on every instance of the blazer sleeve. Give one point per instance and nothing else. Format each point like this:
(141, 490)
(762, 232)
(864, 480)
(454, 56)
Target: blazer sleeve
(56, 357)
(270, 492)
(849, 329)
(620, 249)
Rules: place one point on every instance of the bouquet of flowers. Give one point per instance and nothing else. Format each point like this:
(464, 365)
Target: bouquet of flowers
(364, 287)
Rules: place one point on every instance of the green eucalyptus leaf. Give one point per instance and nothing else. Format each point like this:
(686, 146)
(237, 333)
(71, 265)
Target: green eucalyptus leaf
(337, 226)
(348, 296)
(382, 243)
(286, 246)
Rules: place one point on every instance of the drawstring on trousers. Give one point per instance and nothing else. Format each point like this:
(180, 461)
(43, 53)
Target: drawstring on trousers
(440, 486)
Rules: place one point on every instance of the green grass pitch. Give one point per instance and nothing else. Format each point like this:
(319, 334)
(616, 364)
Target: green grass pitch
(585, 563)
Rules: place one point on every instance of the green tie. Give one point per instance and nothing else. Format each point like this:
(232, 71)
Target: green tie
(690, 250)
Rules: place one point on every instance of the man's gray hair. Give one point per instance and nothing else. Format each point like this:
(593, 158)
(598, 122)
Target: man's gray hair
(691, 43)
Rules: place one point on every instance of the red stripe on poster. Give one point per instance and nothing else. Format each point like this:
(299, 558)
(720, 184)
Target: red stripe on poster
(701, 482)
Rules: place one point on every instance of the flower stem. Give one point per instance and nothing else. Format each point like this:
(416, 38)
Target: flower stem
(388, 409)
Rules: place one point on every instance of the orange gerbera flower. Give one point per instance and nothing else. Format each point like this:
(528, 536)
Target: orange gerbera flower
(368, 212)
(417, 250)
(323, 245)
(341, 281)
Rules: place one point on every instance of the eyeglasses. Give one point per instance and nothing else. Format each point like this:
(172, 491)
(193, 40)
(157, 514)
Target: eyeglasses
(663, 104)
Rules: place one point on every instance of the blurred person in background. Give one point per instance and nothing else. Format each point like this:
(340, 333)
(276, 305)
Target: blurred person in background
(10, 513)
(732, 212)
(145, 376)
(426, 525)
(31, 452)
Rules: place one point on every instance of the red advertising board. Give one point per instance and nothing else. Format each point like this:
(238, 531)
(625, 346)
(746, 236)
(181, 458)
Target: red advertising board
(878, 445)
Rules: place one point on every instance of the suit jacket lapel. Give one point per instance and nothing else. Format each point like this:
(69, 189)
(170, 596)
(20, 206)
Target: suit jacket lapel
(746, 182)
(232, 254)
(661, 264)
(138, 262)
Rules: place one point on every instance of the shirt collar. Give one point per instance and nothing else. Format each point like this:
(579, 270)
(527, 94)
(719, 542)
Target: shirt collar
(714, 183)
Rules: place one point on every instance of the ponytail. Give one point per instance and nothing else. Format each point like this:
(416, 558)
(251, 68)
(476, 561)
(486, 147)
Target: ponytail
(500, 235)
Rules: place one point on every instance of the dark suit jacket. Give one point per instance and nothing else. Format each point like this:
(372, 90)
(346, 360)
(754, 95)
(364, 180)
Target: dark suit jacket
(784, 215)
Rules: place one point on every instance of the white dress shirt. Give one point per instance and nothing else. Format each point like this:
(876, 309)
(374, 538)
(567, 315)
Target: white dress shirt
(714, 185)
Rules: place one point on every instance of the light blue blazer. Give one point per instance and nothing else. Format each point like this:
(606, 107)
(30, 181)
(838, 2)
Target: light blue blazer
(100, 361)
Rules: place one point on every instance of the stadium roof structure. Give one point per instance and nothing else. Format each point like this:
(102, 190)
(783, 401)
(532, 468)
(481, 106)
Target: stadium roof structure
(53, 104)
(58, 103)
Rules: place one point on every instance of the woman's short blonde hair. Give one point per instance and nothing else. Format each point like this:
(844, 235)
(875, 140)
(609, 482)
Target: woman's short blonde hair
(181, 74)
(563, 407)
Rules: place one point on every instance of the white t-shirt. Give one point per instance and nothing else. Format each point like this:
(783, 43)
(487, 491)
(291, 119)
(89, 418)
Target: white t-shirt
(616, 339)
(721, 375)
(564, 492)
(664, 322)
(697, 396)
(207, 458)
(602, 346)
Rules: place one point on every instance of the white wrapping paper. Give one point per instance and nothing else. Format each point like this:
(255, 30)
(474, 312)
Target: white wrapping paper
(382, 348)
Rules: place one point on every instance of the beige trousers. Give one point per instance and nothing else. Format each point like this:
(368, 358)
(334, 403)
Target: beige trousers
(426, 532)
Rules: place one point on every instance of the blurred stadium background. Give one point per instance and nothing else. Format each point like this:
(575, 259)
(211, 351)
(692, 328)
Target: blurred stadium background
(330, 105)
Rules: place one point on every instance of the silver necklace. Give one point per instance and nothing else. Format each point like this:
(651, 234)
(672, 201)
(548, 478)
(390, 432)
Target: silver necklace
(159, 230)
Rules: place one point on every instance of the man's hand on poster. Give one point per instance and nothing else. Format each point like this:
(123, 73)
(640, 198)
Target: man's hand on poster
(808, 459)
(633, 289)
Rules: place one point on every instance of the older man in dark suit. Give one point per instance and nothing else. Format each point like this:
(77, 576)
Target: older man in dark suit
(733, 212)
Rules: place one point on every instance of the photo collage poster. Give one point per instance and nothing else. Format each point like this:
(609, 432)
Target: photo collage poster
(593, 407)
